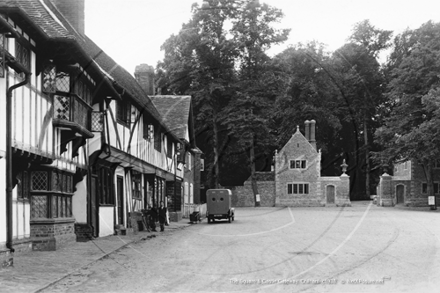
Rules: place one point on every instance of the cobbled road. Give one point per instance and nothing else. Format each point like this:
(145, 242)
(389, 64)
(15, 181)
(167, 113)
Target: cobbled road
(363, 248)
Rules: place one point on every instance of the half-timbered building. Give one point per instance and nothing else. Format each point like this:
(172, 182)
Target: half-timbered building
(177, 113)
(85, 149)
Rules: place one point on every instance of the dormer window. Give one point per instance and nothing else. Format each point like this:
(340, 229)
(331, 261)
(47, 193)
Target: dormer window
(298, 164)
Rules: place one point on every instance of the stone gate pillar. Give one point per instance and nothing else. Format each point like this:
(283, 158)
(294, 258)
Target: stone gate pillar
(343, 196)
(386, 191)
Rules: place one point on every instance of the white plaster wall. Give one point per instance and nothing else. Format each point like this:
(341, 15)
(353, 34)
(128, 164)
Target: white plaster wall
(79, 202)
(21, 218)
(106, 221)
(2, 202)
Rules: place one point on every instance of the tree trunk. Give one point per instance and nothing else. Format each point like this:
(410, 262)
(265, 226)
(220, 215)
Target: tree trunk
(216, 153)
(427, 165)
(253, 175)
(367, 159)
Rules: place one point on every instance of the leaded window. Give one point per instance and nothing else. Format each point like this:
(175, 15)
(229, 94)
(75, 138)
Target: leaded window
(49, 79)
(23, 56)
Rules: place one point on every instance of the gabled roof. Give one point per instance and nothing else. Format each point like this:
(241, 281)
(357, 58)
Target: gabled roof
(50, 22)
(176, 111)
(298, 137)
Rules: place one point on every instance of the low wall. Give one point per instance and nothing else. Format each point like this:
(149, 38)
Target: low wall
(52, 234)
(243, 196)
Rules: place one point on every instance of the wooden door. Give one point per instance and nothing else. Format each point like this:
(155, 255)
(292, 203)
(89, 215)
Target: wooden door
(330, 193)
(120, 199)
(400, 193)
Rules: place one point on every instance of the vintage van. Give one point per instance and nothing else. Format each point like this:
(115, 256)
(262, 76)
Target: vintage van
(218, 205)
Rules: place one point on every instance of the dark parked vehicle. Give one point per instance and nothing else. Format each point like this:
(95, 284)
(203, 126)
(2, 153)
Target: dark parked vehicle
(218, 203)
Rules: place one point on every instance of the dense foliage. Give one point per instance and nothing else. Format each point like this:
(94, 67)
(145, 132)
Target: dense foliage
(248, 104)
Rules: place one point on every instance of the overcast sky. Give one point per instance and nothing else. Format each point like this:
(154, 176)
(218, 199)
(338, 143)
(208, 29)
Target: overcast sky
(132, 31)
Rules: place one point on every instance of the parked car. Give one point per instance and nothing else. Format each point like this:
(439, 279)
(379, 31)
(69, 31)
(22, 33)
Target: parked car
(218, 203)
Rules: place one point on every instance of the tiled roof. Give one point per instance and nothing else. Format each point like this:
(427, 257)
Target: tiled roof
(38, 13)
(45, 16)
(175, 111)
(120, 75)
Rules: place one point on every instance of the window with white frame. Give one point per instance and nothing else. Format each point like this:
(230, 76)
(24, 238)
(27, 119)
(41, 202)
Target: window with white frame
(297, 188)
(298, 164)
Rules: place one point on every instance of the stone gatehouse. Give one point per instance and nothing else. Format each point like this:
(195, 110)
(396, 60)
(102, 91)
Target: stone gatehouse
(296, 179)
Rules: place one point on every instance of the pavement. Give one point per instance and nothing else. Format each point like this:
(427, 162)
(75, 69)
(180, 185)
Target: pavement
(36, 270)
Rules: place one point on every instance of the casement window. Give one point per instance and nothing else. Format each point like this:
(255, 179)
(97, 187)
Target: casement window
(106, 196)
(82, 89)
(298, 188)
(437, 164)
(136, 182)
(436, 188)
(298, 164)
(123, 112)
(51, 192)
(23, 56)
(157, 139)
(23, 185)
(169, 148)
(148, 127)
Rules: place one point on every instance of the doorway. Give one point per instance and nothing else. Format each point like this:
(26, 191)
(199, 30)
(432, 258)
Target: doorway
(400, 194)
(330, 193)
(120, 198)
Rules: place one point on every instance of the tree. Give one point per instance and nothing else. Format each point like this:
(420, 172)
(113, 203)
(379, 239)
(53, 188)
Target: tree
(248, 116)
(200, 61)
(411, 130)
(362, 82)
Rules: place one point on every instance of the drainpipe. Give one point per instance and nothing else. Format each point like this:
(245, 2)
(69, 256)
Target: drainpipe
(9, 220)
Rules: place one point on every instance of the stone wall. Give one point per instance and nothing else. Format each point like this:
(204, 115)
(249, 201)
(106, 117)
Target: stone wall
(6, 257)
(342, 190)
(243, 196)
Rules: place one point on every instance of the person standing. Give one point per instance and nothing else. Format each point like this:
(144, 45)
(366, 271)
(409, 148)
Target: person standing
(162, 216)
(153, 218)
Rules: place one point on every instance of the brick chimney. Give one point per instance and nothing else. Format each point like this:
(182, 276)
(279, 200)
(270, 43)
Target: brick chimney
(74, 12)
(307, 126)
(312, 133)
(144, 75)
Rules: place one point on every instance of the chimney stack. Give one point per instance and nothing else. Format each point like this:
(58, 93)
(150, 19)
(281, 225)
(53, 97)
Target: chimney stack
(74, 12)
(144, 75)
(307, 126)
(312, 133)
